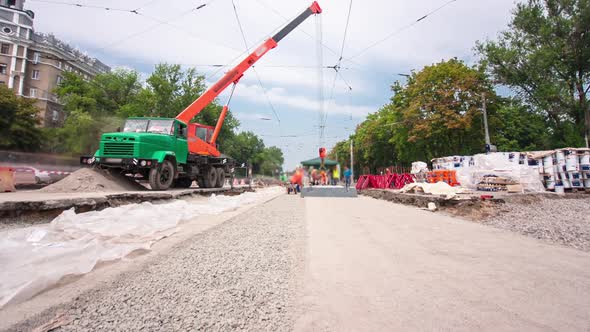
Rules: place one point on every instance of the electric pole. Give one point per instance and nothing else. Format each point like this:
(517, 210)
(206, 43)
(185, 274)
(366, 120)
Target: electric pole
(351, 163)
(485, 120)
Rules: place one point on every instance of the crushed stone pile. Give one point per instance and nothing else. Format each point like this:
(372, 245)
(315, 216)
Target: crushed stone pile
(563, 221)
(93, 180)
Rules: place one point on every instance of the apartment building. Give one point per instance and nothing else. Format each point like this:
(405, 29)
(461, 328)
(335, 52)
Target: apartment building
(32, 64)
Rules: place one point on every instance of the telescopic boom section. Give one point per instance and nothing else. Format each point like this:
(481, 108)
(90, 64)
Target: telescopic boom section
(234, 75)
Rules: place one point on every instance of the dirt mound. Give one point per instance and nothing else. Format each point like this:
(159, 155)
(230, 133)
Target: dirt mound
(92, 180)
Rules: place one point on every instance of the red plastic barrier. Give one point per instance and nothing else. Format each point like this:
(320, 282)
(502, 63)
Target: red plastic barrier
(387, 181)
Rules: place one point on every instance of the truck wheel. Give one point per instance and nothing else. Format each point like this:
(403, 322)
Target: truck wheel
(210, 179)
(161, 178)
(220, 178)
(183, 183)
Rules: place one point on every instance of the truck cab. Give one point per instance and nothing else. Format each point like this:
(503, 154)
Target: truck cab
(157, 149)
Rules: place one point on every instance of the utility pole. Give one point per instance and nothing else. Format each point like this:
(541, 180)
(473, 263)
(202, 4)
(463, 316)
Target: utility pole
(485, 120)
(351, 163)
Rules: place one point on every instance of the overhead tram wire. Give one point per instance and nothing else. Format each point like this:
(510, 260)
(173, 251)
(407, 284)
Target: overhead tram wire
(133, 11)
(242, 53)
(320, 59)
(254, 69)
(188, 33)
(266, 5)
(396, 32)
(338, 64)
(137, 12)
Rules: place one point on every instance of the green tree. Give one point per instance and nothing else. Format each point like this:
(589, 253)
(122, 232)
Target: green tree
(245, 147)
(545, 55)
(438, 113)
(19, 122)
(442, 109)
(169, 90)
(91, 108)
(514, 127)
(269, 161)
(341, 153)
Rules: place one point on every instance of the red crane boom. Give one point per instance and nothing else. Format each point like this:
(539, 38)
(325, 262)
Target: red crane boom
(234, 75)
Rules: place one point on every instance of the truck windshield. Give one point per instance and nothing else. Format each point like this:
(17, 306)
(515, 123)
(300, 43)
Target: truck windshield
(150, 126)
(135, 126)
(161, 127)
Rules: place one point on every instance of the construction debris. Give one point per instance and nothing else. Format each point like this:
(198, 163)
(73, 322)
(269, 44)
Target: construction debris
(93, 180)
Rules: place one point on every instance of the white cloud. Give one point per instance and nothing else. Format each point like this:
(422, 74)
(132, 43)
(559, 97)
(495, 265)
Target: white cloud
(280, 96)
(251, 116)
(211, 35)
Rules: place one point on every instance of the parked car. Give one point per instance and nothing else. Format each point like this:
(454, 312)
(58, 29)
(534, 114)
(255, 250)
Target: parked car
(31, 175)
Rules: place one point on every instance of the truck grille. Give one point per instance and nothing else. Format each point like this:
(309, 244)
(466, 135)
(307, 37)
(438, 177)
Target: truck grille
(118, 149)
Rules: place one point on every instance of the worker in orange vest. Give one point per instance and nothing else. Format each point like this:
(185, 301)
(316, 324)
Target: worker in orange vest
(297, 179)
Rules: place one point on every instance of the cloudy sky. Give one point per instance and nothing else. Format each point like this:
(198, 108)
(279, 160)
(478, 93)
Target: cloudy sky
(381, 43)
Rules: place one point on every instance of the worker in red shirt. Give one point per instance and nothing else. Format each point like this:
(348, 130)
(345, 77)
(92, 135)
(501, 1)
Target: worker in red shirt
(297, 180)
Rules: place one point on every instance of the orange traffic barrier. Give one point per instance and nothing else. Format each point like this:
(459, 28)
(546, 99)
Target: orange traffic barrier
(442, 175)
(7, 179)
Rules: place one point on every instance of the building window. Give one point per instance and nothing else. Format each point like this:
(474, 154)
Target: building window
(3, 68)
(5, 49)
(33, 92)
(59, 64)
(35, 74)
(11, 3)
(36, 57)
(59, 79)
(55, 116)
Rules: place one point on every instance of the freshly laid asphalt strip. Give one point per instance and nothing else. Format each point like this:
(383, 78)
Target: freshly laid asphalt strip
(239, 275)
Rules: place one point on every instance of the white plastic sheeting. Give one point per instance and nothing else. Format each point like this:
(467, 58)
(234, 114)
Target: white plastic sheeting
(497, 164)
(35, 258)
(439, 188)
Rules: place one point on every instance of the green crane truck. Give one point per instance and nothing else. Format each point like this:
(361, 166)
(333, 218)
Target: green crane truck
(173, 151)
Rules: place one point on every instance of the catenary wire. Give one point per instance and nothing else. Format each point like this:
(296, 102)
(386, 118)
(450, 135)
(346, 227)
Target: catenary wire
(133, 11)
(398, 31)
(266, 5)
(254, 69)
(338, 63)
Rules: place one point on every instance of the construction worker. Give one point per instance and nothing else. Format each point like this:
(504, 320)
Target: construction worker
(347, 177)
(315, 177)
(335, 176)
(297, 179)
(323, 177)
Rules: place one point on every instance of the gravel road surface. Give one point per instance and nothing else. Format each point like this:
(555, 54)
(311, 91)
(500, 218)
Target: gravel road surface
(377, 266)
(239, 275)
(342, 264)
(559, 220)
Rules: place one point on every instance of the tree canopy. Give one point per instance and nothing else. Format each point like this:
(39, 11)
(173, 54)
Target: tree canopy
(247, 147)
(438, 112)
(544, 56)
(101, 104)
(19, 122)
